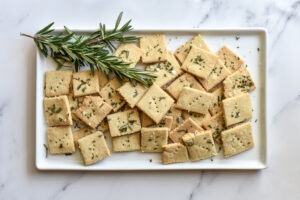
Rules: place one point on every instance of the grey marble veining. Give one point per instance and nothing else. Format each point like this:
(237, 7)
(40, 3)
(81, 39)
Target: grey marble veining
(20, 180)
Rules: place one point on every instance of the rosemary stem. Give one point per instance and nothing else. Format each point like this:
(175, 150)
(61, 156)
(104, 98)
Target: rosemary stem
(33, 37)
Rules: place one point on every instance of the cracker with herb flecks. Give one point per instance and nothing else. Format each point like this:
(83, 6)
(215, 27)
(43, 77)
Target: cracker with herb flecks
(57, 111)
(153, 139)
(217, 101)
(74, 103)
(230, 59)
(237, 109)
(131, 142)
(165, 122)
(217, 125)
(154, 47)
(124, 123)
(183, 51)
(60, 140)
(93, 148)
(165, 71)
(199, 62)
(129, 53)
(185, 80)
(188, 126)
(111, 96)
(58, 83)
(103, 126)
(197, 117)
(155, 103)
(103, 79)
(82, 133)
(238, 83)
(132, 94)
(93, 110)
(84, 83)
(237, 139)
(174, 153)
(194, 100)
(216, 76)
(200, 146)
(176, 114)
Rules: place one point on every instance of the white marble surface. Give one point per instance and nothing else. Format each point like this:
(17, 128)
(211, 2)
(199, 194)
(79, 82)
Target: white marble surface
(20, 180)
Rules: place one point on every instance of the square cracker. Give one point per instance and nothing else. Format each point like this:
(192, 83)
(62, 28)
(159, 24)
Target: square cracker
(237, 109)
(200, 146)
(58, 82)
(132, 94)
(60, 140)
(194, 100)
(84, 83)
(217, 101)
(131, 142)
(238, 83)
(183, 51)
(165, 71)
(217, 125)
(155, 103)
(230, 59)
(82, 133)
(153, 139)
(200, 119)
(93, 148)
(177, 116)
(237, 139)
(93, 110)
(154, 47)
(185, 80)
(129, 53)
(199, 62)
(188, 126)
(165, 122)
(57, 111)
(174, 153)
(216, 76)
(124, 123)
(111, 96)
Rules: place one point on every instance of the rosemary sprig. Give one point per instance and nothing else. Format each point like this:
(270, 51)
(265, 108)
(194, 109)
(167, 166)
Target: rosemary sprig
(93, 50)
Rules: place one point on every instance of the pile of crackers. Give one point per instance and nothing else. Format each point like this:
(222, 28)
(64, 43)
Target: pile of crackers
(199, 100)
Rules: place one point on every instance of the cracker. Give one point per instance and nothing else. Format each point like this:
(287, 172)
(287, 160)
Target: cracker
(199, 62)
(60, 140)
(74, 103)
(58, 82)
(165, 71)
(188, 126)
(103, 126)
(174, 153)
(200, 146)
(103, 79)
(217, 101)
(93, 148)
(217, 125)
(132, 94)
(84, 83)
(154, 47)
(129, 53)
(124, 123)
(194, 100)
(230, 59)
(155, 103)
(111, 96)
(153, 139)
(130, 142)
(196, 117)
(177, 116)
(185, 80)
(57, 111)
(93, 110)
(82, 133)
(237, 109)
(183, 51)
(237, 139)
(216, 76)
(238, 83)
(165, 122)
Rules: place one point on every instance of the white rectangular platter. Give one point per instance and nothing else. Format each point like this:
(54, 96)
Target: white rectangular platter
(251, 45)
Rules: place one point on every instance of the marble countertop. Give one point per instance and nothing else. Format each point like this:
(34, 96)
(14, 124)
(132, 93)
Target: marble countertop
(19, 178)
